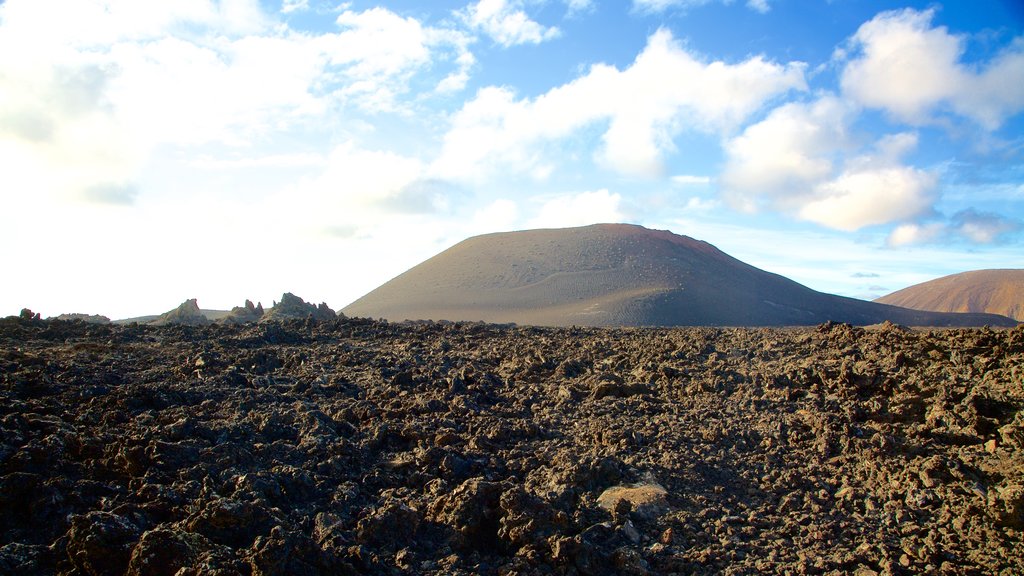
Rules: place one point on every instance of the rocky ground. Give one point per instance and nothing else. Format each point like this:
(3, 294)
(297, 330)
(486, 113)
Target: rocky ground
(355, 446)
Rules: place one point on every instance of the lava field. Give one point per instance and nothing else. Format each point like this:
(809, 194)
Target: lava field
(364, 447)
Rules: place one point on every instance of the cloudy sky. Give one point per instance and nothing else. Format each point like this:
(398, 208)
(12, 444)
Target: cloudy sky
(153, 151)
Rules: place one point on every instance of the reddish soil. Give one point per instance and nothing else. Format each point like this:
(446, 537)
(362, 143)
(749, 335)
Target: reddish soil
(990, 291)
(356, 446)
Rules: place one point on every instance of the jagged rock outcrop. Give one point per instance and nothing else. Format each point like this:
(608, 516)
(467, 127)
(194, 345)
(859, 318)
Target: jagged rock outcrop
(293, 307)
(188, 314)
(243, 314)
(87, 318)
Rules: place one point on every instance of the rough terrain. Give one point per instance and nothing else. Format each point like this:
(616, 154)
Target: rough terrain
(354, 446)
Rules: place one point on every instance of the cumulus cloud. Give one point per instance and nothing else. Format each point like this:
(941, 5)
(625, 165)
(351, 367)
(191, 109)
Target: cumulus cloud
(507, 23)
(968, 225)
(665, 91)
(379, 51)
(912, 70)
(866, 197)
(801, 160)
(579, 210)
(89, 96)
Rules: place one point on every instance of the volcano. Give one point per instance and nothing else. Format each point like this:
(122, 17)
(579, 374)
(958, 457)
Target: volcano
(617, 275)
(991, 291)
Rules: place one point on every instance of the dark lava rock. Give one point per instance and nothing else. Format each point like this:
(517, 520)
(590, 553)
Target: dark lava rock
(293, 307)
(100, 543)
(363, 447)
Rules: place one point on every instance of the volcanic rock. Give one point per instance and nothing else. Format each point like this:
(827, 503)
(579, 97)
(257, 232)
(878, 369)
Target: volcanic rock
(188, 313)
(293, 307)
(366, 447)
(87, 318)
(616, 275)
(243, 314)
(990, 291)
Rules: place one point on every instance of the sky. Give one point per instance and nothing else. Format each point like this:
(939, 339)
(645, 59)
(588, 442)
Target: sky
(155, 151)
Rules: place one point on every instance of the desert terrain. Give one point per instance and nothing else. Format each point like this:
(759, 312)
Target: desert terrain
(355, 446)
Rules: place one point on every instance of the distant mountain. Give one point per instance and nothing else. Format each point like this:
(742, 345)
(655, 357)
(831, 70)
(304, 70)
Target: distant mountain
(991, 291)
(616, 275)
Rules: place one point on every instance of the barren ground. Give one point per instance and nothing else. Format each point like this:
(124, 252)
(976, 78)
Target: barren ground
(364, 447)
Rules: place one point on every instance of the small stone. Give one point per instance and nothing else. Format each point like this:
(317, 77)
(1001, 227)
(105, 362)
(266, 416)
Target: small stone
(630, 532)
(990, 446)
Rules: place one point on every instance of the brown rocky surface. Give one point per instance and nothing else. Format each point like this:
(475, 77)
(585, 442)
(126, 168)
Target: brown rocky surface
(990, 291)
(355, 447)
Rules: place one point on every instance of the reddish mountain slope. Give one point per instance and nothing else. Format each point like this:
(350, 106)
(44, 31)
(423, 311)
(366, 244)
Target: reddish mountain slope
(991, 291)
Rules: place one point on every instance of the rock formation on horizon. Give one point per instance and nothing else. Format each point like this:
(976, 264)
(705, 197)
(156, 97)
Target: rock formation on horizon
(87, 318)
(293, 307)
(990, 291)
(243, 314)
(188, 313)
(617, 275)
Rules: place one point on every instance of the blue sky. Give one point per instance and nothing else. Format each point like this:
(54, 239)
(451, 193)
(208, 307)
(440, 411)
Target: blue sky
(154, 151)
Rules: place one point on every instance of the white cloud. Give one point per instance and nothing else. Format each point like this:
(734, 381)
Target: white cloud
(777, 161)
(912, 70)
(655, 6)
(967, 225)
(797, 160)
(379, 51)
(506, 22)
(502, 214)
(866, 197)
(579, 210)
(578, 6)
(88, 98)
(665, 91)
(690, 180)
(761, 6)
(289, 6)
(983, 227)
